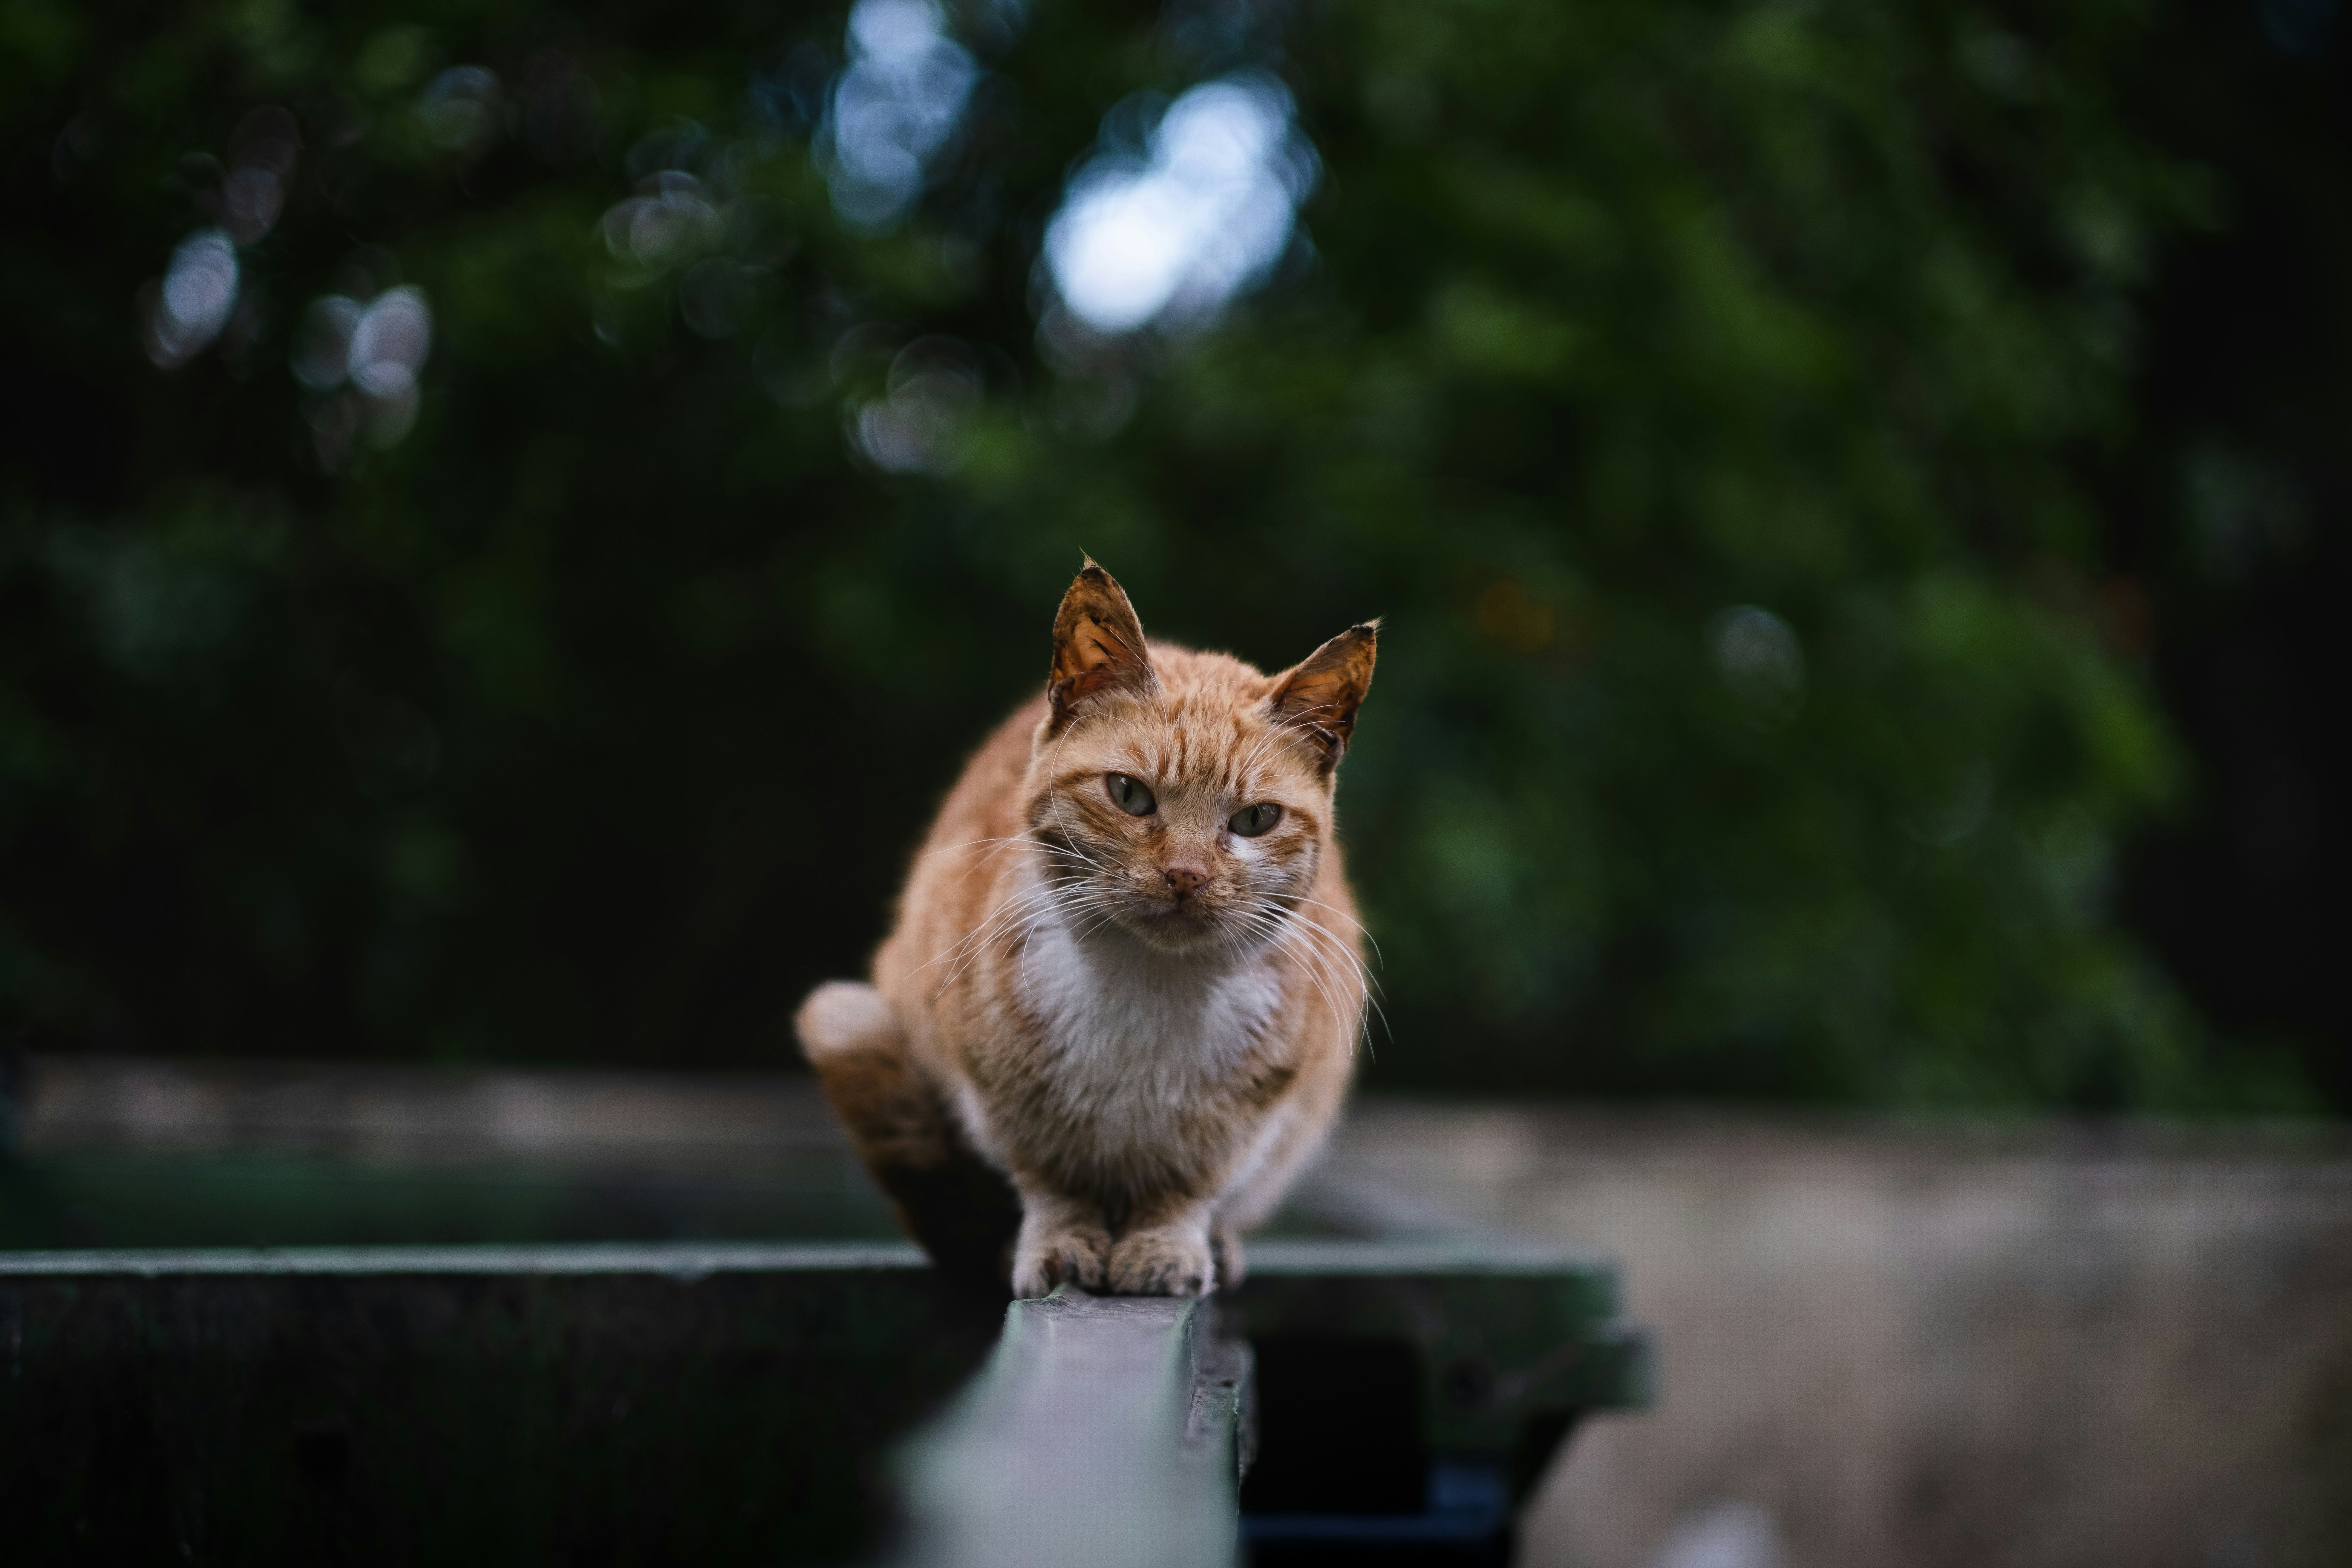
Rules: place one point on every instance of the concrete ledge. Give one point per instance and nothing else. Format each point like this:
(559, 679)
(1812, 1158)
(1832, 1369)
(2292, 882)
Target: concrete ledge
(1103, 1434)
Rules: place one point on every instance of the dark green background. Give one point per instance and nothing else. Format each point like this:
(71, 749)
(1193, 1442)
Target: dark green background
(594, 720)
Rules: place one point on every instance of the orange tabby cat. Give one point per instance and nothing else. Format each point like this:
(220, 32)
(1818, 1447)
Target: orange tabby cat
(1125, 971)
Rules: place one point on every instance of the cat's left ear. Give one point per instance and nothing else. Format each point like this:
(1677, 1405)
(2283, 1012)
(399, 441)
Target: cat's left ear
(1322, 696)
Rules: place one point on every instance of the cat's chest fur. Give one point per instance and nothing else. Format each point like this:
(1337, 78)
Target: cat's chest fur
(1132, 1042)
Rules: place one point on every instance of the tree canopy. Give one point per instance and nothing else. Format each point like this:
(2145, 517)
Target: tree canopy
(514, 513)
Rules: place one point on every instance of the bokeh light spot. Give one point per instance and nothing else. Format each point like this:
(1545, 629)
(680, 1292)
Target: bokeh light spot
(893, 109)
(1170, 239)
(672, 214)
(460, 108)
(933, 385)
(363, 362)
(198, 291)
(390, 342)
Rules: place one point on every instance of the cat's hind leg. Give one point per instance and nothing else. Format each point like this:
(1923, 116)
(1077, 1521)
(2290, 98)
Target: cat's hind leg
(887, 1105)
(957, 1206)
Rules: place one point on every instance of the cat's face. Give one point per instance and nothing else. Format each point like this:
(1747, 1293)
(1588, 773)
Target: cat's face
(1184, 799)
(1188, 821)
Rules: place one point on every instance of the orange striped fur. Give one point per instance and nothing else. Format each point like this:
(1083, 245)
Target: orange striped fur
(1146, 1019)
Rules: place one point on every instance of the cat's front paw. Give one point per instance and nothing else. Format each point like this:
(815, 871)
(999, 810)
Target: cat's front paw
(1161, 1263)
(1075, 1255)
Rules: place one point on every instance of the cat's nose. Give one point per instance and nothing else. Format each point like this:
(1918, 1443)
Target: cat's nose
(1185, 879)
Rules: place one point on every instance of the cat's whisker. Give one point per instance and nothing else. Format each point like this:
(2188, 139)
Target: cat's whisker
(967, 952)
(1325, 955)
(1059, 911)
(1342, 952)
(1068, 858)
(971, 844)
(1013, 909)
(980, 932)
(1361, 929)
(1010, 931)
(1322, 967)
(1326, 983)
(1367, 989)
(1002, 844)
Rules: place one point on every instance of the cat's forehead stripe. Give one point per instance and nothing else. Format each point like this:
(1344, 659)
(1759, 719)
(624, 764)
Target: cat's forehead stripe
(1235, 756)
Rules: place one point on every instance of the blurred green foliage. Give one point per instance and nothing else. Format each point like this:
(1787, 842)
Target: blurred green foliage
(1702, 391)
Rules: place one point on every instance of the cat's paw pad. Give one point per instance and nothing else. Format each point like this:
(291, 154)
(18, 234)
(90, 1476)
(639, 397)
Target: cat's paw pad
(1074, 1255)
(1161, 1263)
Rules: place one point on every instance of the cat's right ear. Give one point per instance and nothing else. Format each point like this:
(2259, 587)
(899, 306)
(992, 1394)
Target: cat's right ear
(1099, 646)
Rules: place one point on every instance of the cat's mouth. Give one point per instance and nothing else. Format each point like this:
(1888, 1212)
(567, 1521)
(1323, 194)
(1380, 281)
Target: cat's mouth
(1178, 923)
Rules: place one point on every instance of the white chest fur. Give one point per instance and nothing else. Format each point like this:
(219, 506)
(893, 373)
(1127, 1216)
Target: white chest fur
(1137, 1035)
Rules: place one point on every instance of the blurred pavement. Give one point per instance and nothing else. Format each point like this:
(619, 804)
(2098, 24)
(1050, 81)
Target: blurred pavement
(1912, 1346)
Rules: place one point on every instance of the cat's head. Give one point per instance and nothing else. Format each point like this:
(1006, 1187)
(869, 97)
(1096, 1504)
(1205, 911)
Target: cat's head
(1184, 797)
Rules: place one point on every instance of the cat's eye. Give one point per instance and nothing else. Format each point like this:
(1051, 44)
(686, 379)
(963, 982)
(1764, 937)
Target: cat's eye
(1252, 820)
(1129, 795)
